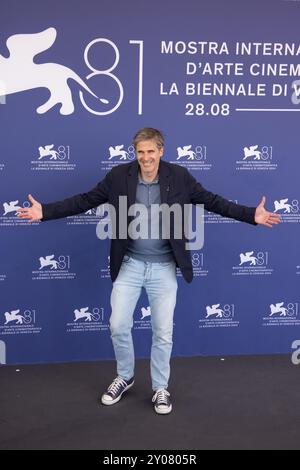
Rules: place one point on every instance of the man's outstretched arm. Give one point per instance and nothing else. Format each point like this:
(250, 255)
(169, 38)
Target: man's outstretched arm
(70, 206)
(214, 203)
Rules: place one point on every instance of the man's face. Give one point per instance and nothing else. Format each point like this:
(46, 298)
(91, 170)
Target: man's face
(148, 156)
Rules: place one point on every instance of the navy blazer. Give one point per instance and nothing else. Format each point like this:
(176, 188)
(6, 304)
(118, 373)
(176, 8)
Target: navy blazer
(177, 185)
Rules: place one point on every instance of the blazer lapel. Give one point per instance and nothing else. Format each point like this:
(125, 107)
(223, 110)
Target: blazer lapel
(132, 180)
(164, 181)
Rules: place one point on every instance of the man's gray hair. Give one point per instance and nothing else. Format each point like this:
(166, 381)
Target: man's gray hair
(148, 133)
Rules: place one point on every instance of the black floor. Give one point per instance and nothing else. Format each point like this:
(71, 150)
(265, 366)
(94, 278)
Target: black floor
(249, 402)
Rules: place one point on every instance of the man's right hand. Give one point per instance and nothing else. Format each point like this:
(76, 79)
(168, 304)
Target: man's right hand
(33, 213)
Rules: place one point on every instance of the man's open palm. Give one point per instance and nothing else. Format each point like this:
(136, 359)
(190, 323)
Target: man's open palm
(32, 213)
(263, 217)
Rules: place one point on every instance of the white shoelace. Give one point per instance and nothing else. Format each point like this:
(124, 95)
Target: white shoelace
(117, 383)
(161, 396)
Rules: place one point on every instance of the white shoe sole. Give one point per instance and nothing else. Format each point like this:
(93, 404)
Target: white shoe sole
(163, 411)
(104, 401)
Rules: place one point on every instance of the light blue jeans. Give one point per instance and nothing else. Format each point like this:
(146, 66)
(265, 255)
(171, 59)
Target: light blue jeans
(159, 280)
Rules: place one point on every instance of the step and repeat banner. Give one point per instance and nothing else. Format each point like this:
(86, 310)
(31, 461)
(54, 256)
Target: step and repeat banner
(77, 80)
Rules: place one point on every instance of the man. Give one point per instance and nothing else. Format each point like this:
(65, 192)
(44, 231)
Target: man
(149, 263)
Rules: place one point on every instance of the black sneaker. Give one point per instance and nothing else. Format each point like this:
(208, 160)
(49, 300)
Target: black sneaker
(116, 390)
(162, 401)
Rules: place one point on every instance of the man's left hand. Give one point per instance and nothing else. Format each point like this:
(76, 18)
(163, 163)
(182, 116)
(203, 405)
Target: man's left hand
(263, 217)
